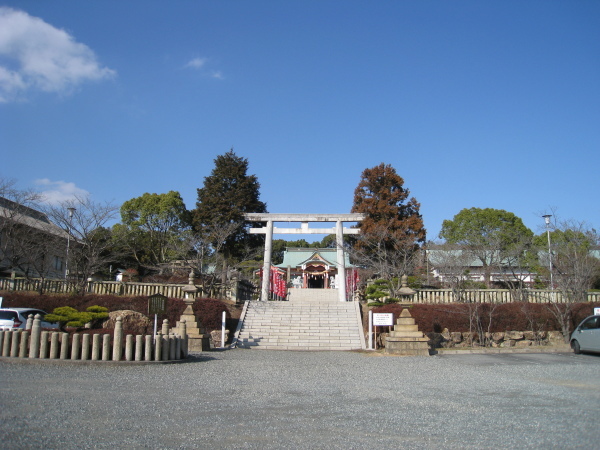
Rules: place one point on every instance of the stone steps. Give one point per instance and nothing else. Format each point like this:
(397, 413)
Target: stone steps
(302, 324)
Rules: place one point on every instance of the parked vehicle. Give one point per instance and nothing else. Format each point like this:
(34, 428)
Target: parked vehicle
(586, 337)
(13, 318)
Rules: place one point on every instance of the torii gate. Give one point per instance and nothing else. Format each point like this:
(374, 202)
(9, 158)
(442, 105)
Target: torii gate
(339, 232)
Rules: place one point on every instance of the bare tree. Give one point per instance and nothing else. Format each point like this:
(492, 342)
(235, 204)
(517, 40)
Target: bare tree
(574, 267)
(387, 255)
(84, 221)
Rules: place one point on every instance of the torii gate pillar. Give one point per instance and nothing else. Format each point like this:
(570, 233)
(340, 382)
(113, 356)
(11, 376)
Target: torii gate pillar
(339, 232)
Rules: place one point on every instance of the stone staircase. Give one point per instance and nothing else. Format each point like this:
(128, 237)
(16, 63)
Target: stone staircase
(312, 319)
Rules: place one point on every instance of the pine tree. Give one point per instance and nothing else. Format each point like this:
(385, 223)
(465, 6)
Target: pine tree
(228, 193)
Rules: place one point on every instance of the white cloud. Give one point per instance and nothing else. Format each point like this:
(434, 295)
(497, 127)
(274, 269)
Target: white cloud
(55, 192)
(196, 63)
(36, 55)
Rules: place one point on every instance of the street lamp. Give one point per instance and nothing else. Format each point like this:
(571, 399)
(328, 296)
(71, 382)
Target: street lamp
(547, 220)
(71, 212)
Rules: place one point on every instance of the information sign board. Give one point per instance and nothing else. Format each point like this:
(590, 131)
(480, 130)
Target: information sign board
(596, 311)
(157, 304)
(383, 319)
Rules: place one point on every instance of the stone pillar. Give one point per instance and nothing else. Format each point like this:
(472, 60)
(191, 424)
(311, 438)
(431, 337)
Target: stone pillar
(96, 347)
(339, 238)
(75, 347)
(85, 347)
(118, 340)
(197, 339)
(44, 344)
(36, 331)
(54, 345)
(264, 293)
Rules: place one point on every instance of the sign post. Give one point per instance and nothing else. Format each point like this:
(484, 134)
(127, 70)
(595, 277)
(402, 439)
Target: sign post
(381, 320)
(157, 304)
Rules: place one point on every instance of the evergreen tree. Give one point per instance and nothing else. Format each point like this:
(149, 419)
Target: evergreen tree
(393, 227)
(382, 197)
(228, 193)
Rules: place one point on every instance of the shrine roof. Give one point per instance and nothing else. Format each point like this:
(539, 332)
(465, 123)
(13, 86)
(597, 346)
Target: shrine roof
(296, 257)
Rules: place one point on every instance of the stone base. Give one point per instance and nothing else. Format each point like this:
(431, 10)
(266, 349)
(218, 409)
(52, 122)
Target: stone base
(199, 343)
(407, 347)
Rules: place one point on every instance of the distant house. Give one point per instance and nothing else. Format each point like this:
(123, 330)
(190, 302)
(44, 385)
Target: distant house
(315, 268)
(30, 245)
(447, 265)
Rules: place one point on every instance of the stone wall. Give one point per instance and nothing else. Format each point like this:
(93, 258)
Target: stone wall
(506, 339)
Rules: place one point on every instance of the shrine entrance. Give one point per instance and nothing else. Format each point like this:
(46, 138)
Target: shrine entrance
(305, 219)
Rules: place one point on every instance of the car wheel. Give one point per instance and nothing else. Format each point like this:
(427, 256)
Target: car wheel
(575, 347)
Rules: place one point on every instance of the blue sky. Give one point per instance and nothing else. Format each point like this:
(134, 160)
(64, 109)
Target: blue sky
(490, 104)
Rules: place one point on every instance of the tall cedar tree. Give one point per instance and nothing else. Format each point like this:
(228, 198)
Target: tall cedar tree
(382, 197)
(228, 193)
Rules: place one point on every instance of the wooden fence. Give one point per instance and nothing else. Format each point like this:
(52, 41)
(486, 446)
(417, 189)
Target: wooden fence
(243, 290)
(239, 291)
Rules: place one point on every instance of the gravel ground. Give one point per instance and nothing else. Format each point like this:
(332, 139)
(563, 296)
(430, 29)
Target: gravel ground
(279, 399)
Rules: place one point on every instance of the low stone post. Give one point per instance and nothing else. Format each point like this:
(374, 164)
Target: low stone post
(105, 347)
(184, 338)
(64, 346)
(14, 345)
(54, 345)
(165, 327)
(139, 347)
(36, 331)
(172, 346)
(118, 340)
(95, 347)
(165, 348)
(6, 343)
(75, 347)
(1, 341)
(178, 342)
(128, 347)
(148, 348)
(23, 344)
(44, 345)
(85, 347)
(29, 322)
(158, 344)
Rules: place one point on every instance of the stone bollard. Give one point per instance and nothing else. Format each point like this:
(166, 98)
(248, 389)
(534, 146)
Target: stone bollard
(184, 337)
(96, 347)
(165, 327)
(44, 345)
(139, 347)
(165, 348)
(29, 322)
(158, 344)
(85, 347)
(1, 341)
(64, 346)
(129, 347)
(148, 348)
(54, 345)
(36, 331)
(23, 344)
(178, 342)
(118, 340)
(6, 343)
(75, 347)
(14, 346)
(105, 347)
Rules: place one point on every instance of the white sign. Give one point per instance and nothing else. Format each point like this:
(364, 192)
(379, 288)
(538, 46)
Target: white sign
(596, 310)
(383, 319)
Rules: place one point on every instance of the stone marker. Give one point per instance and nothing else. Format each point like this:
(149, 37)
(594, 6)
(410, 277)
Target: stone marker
(406, 339)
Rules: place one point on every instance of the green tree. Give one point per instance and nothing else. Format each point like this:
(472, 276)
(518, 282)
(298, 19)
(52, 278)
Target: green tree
(228, 193)
(152, 226)
(393, 229)
(494, 236)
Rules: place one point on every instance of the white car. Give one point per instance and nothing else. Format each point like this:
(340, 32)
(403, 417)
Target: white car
(586, 337)
(14, 318)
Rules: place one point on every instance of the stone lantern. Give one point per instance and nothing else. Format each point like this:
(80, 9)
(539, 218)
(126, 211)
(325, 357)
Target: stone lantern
(404, 290)
(197, 338)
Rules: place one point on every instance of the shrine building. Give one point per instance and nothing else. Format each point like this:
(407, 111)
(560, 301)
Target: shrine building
(313, 268)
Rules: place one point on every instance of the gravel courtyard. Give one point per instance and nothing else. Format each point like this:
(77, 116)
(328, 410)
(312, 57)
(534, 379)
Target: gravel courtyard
(277, 399)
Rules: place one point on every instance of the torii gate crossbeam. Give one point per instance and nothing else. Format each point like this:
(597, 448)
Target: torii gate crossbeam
(304, 219)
